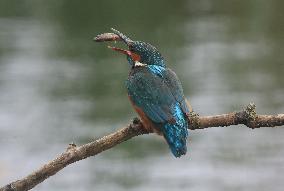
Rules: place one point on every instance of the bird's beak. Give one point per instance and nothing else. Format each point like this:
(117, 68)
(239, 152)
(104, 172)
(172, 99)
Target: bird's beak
(135, 57)
(118, 36)
(126, 52)
(128, 42)
(123, 37)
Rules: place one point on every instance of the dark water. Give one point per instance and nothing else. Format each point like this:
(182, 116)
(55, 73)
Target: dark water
(57, 86)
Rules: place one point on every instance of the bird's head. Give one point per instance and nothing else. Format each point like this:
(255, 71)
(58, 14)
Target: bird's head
(139, 53)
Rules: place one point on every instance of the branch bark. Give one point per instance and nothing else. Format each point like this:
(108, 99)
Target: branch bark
(73, 153)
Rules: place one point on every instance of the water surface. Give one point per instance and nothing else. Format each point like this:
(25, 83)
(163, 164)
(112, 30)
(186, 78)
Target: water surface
(58, 86)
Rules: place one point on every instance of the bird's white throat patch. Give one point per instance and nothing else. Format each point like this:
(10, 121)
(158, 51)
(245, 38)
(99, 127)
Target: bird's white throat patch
(137, 64)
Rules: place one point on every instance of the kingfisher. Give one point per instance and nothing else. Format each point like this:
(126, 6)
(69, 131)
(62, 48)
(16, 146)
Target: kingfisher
(156, 93)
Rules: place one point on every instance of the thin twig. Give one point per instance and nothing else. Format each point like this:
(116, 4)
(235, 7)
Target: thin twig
(73, 153)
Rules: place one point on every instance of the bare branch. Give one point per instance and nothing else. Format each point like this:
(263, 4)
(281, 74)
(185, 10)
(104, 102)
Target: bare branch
(73, 153)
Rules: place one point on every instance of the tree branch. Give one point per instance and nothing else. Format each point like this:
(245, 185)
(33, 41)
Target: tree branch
(73, 153)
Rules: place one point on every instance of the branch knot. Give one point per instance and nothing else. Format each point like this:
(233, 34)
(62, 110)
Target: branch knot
(71, 146)
(250, 113)
(194, 120)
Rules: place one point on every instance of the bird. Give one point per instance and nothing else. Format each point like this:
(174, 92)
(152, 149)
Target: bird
(156, 93)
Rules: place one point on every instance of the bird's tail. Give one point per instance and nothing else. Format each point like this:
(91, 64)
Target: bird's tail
(176, 133)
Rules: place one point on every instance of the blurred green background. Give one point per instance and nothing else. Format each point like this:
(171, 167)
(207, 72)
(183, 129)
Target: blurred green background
(57, 86)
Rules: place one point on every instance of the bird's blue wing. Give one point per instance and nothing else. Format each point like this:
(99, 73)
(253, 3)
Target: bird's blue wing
(155, 94)
(175, 86)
